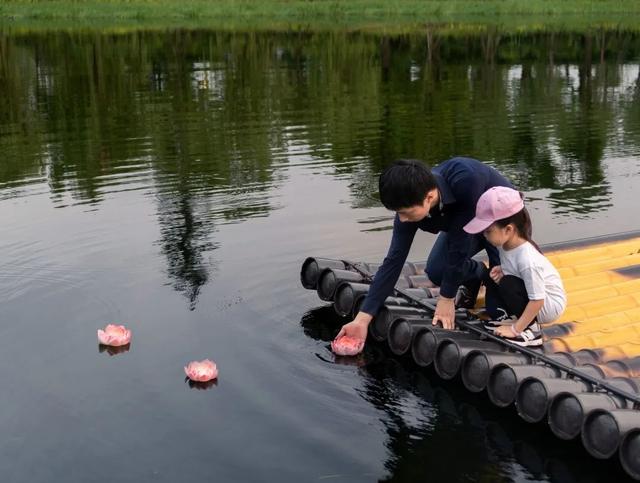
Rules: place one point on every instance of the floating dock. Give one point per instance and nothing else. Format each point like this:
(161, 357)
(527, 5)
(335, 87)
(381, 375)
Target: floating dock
(584, 381)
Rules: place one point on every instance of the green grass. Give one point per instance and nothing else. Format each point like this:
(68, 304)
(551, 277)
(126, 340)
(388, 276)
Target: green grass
(316, 14)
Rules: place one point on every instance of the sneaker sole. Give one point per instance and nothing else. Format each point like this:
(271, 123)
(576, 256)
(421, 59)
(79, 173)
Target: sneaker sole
(529, 343)
(493, 327)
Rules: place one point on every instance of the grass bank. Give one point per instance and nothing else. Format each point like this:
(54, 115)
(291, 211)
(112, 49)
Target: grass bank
(317, 14)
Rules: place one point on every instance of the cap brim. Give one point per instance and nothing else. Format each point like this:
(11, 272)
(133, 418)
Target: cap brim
(476, 225)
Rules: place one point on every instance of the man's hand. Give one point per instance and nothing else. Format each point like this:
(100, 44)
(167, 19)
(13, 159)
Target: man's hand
(496, 274)
(445, 313)
(356, 328)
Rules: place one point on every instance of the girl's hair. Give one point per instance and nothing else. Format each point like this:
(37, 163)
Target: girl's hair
(522, 222)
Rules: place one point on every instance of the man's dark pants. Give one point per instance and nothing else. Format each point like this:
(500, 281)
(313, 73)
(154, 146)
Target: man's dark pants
(472, 270)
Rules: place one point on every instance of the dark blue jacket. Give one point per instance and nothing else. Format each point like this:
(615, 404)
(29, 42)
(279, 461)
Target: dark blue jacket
(460, 182)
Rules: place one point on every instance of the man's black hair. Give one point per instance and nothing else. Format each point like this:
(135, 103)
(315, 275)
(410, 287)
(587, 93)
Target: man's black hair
(405, 183)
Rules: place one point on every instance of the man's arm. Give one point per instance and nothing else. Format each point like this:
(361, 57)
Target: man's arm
(384, 279)
(388, 273)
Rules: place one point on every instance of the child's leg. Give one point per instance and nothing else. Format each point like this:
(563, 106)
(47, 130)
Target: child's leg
(513, 295)
(493, 298)
(506, 301)
(515, 298)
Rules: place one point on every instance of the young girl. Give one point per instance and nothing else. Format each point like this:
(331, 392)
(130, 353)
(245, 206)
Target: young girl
(525, 288)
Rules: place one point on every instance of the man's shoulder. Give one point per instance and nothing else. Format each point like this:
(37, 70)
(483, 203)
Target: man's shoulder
(461, 163)
(458, 172)
(461, 169)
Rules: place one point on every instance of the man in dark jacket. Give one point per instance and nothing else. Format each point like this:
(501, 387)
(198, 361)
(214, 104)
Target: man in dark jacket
(441, 200)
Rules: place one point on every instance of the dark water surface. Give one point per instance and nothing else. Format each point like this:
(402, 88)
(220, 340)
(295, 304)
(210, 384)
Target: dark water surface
(175, 181)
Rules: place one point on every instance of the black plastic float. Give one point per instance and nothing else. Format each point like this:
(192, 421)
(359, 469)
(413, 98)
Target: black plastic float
(418, 280)
(426, 339)
(451, 352)
(581, 393)
(534, 395)
(418, 267)
(312, 267)
(603, 430)
(630, 453)
(330, 278)
(379, 326)
(347, 295)
(477, 366)
(567, 411)
(401, 332)
(625, 367)
(504, 380)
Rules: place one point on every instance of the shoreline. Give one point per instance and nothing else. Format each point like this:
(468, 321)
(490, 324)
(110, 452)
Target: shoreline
(393, 16)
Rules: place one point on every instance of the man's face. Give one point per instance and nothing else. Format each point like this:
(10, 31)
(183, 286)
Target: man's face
(418, 212)
(413, 213)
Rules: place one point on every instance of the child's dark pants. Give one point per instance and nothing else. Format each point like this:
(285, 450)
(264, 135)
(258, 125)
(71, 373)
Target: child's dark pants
(509, 294)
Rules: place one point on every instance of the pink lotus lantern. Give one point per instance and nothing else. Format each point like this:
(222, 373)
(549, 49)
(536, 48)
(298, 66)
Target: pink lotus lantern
(201, 371)
(347, 346)
(114, 335)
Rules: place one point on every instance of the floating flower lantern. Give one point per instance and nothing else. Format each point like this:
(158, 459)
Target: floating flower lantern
(201, 371)
(347, 346)
(114, 335)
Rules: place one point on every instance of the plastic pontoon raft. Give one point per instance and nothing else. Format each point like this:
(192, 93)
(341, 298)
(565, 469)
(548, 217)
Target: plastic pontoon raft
(585, 380)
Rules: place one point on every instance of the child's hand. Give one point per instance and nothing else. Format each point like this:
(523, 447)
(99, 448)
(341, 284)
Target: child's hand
(505, 331)
(496, 274)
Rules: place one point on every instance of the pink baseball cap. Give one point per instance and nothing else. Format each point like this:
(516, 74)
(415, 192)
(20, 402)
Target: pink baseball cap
(495, 204)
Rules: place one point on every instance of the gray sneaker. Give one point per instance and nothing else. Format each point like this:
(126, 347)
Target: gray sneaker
(502, 319)
(530, 337)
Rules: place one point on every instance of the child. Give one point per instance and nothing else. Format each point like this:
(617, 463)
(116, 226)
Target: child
(525, 288)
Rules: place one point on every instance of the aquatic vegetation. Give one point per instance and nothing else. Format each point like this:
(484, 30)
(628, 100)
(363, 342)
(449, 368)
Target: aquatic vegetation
(201, 371)
(114, 335)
